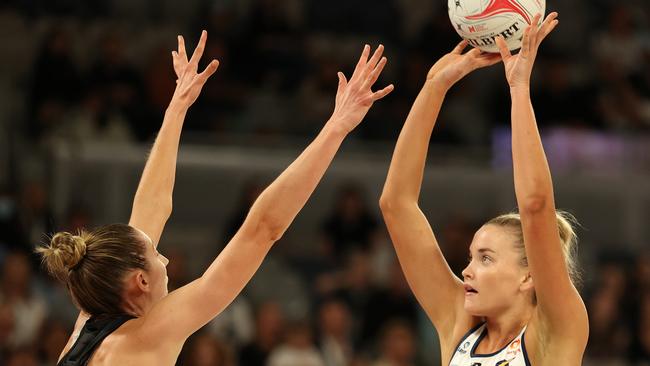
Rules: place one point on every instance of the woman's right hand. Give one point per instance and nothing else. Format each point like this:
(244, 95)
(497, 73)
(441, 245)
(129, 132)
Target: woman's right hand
(455, 65)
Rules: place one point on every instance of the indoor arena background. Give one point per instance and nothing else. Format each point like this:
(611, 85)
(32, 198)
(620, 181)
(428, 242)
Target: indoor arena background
(83, 88)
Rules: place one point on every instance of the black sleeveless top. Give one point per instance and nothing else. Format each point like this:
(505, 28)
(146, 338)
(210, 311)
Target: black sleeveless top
(91, 336)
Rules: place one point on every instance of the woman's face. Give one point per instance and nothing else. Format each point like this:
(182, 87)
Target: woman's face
(494, 277)
(157, 269)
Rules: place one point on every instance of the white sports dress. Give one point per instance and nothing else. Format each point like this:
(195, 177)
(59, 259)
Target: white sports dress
(513, 354)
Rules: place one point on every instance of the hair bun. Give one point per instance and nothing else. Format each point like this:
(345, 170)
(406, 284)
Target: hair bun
(63, 254)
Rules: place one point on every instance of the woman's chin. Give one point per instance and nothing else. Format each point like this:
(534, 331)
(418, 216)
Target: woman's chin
(472, 308)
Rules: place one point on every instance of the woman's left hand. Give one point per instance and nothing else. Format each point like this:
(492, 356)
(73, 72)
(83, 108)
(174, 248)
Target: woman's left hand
(190, 82)
(455, 65)
(519, 67)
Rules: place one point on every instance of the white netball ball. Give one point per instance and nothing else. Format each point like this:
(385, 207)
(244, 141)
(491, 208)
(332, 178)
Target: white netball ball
(481, 21)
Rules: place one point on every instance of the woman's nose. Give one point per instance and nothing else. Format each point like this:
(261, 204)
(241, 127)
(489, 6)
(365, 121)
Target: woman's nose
(467, 272)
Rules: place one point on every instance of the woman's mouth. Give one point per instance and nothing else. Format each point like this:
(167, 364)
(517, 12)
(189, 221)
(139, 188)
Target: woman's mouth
(469, 290)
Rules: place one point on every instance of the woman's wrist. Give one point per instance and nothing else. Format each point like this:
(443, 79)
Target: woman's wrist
(436, 85)
(523, 89)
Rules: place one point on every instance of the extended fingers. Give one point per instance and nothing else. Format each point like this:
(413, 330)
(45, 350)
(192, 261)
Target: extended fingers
(374, 75)
(198, 51)
(547, 27)
(503, 48)
(369, 65)
(460, 47)
(343, 82)
(362, 60)
(382, 93)
(209, 70)
(525, 42)
(181, 48)
(535, 25)
(375, 58)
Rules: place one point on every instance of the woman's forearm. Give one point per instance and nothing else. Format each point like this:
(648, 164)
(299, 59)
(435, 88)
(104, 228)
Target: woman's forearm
(407, 165)
(154, 193)
(280, 202)
(533, 185)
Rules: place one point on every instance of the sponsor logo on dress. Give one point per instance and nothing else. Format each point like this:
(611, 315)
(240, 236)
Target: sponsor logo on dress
(514, 349)
(463, 349)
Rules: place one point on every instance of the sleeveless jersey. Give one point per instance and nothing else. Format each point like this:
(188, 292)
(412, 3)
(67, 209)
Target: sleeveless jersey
(513, 354)
(91, 336)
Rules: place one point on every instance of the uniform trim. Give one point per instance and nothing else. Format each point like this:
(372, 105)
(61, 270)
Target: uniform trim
(464, 337)
(480, 338)
(523, 348)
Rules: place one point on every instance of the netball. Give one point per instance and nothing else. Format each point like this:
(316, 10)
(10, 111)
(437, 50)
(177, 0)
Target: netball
(481, 21)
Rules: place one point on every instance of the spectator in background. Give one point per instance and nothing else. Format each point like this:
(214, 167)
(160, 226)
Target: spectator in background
(59, 305)
(22, 357)
(159, 83)
(222, 101)
(561, 101)
(335, 332)
(16, 291)
(11, 231)
(275, 31)
(53, 338)
(121, 87)
(610, 335)
(397, 345)
(619, 52)
(620, 106)
(314, 100)
(640, 351)
(641, 83)
(91, 121)
(35, 212)
(235, 325)
(353, 284)
(7, 324)
(640, 296)
(351, 225)
(642, 273)
(206, 350)
(297, 349)
(269, 327)
(395, 301)
(77, 217)
(249, 194)
(456, 233)
(620, 43)
(55, 83)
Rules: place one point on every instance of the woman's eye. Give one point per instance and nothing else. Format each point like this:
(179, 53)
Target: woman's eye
(485, 258)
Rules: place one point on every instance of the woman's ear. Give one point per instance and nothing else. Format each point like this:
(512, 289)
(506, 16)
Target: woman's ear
(527, 282)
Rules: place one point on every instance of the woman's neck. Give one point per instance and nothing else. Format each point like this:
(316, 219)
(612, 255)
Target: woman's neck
(505, 327)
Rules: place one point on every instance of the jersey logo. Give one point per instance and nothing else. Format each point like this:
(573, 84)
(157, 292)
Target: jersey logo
(463, 349)
(503, 363)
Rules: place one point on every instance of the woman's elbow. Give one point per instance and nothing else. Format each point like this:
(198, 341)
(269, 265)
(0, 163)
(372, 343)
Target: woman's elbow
(393, 207)
(533, 204)
(265, 229)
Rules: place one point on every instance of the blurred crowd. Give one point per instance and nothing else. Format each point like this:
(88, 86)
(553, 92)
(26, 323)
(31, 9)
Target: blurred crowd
(101, 71)
(347, 303)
